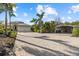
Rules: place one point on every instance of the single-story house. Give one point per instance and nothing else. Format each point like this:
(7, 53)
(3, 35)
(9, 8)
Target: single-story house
(22, 27)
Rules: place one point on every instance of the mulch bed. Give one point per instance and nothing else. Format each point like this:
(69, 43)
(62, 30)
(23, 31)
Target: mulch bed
(6, 45)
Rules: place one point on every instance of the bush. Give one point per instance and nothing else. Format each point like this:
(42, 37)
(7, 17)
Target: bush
(9, 31)
(13, 34)
(35, 28)
(32, 29)
(1, 31)
(47, 27)
(75, 32)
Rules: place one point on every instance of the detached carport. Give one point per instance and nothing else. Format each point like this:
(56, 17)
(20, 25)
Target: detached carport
(64, 29)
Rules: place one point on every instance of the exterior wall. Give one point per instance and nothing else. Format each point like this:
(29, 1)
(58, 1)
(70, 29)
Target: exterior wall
(23, 28)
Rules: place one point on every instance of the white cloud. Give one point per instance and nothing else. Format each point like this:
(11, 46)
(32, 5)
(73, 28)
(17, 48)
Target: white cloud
(63, 19)
(39, 8)
(50, 19)
(75, 8)
(47, 9)
(25, 14)
(50, 10)
(69, 17)
(69, 11)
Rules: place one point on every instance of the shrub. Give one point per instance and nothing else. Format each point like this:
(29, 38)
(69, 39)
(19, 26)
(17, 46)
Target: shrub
(35, 28)
(32, 29)
(1, 31)
(43, 30)
(75, 32)
(47, 27)
(38, 30)
(13, 34)
(9, 31)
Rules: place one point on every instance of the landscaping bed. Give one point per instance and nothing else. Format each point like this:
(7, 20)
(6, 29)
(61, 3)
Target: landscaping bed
(7, 43)
(6, 46)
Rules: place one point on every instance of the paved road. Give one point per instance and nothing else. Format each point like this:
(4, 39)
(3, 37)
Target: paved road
(48, 44)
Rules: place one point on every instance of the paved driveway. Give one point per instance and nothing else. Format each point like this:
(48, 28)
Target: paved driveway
(48, 44)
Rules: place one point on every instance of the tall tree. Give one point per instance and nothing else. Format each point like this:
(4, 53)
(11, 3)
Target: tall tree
(34, 20)
(5, 7)
(10, 12)
(39, 20)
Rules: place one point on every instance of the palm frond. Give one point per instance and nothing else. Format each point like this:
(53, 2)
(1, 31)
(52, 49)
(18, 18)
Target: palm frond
(33, 20)
(38, 15)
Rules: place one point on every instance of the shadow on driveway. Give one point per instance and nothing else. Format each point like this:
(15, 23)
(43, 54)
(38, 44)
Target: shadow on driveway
(73, 49)
(42, 52)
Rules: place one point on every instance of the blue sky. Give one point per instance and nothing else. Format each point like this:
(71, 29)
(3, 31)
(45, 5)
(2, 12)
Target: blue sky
(67, 12)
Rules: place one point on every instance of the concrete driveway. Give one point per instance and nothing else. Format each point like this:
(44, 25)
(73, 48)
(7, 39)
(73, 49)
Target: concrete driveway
(47, 44)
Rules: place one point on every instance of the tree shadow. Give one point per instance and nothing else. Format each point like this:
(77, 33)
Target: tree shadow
(46, 38)
(43, 52)
(42, 37)
(73, 49)
(60, 42)
(75, 53)
(38, 52)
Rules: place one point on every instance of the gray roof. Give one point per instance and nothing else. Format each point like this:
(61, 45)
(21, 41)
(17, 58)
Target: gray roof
(77, 26)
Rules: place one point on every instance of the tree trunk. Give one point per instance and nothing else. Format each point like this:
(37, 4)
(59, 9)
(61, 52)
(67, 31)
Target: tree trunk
(5, 20)
(40, 26)
(40, 29)
(9, 20)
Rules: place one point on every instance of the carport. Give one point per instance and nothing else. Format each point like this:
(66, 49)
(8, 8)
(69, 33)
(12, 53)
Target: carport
(64, 29)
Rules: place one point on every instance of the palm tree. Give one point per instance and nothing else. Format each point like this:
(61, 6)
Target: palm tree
(6, 7)
(39, 20)
(34, 20)
(10, 15)
(10, 12)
